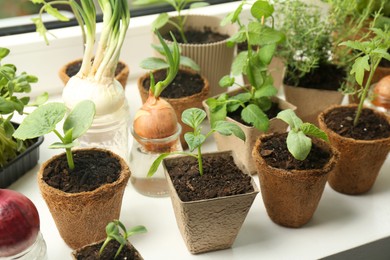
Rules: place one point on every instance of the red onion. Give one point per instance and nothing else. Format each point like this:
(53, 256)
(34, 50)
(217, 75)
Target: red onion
(19, 222)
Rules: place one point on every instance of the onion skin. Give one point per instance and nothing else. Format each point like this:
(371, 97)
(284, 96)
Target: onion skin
(382, 93)
(19, 223)
(156, 119)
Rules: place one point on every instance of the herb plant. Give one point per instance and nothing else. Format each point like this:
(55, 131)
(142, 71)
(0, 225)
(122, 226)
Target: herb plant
(178, 5)
(262, 41)
(12, 86)
(368, 55)
(45, 118)
(193, 117)
(113, 233)
(298, 142)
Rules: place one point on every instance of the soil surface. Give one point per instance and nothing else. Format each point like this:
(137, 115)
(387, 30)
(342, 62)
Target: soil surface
(185, 84)
(275, 153)
(92, 252)
(221, 177)
(271, 113)
(92, 170)
(198, 37)
(326, 76)
(369, 127)
(75, 67)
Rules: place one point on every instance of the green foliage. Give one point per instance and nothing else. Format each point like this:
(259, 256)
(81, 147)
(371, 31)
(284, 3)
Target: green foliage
(179, 5)
(12, 88)
(113, 233)
(194, 117)
(45, 118)
(368, 56)
(298, 142)
(262, 41)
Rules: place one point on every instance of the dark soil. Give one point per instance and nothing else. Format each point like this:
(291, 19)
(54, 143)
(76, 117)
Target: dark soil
(75, 67)
(326, 77)
(384, 63)
(198, 37)
(221, 177)
(92, 170)
(92, 252)
(271, 113)
(369, 127)
(275, 153)
(185, 84)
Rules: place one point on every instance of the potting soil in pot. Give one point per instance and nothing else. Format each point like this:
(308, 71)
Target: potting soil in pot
(92, 252)
(198, 37)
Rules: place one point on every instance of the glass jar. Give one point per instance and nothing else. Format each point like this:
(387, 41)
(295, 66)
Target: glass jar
(36, 251)
(142, 156)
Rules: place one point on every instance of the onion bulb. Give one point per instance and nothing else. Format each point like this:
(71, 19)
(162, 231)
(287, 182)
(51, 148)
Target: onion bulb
(156, 119)
(382, 93)
(19, 223)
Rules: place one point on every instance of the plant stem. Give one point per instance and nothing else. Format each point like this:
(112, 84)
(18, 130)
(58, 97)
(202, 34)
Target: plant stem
(200, 163)
(68, 151)
(373, 66)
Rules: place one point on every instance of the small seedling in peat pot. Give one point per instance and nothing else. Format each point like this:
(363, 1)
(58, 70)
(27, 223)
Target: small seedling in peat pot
(114, 233)
(298, 142)
(193, 117)
(45, 118)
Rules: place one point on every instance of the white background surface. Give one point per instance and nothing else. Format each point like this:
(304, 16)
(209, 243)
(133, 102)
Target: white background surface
(341, 222)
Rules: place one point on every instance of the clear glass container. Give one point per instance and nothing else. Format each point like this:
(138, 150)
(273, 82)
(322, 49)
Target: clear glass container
(142, 157)
(110, 131)
(36, 251)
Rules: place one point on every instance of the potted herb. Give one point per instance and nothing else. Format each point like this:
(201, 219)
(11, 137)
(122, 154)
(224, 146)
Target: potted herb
(187, 89)
(200, 38)
(361, 134)
(312, 79)
(115, 246)
(81, 198)
(293, 169)
(16, 156)
(250, 107)
(96, 78)
(216, 196)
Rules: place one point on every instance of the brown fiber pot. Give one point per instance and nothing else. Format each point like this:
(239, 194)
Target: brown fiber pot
(214, 59)
(292, 196)
(210, 224)
(360, 160)
(121, 77)
(242, 149)
(179, 104)
(81, 218)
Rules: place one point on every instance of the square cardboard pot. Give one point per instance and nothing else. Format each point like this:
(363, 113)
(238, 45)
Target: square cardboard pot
(210, 224)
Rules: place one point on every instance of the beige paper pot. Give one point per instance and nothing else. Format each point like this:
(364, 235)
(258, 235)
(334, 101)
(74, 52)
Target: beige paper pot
(179, 104)
(360, 160)
(242, 149)
(121, 76)
(311, 102)
(81, 217)
(210, 224)
(214, 59)
(291, 197)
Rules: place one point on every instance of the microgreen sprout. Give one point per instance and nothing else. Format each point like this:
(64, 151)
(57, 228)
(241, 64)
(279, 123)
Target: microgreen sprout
(193, 117)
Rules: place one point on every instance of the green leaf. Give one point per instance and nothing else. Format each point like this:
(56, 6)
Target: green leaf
(266, 91)
(298, 144)
(38, 1)
(153, 168)
(8, 128)
(146, 2)
(40, 28)
(361, 64)
(160, 21)
(233, 16)
(218, 110)
(382, 53)
(160, 49)
(354, 45)
(261, 9)
(193, 117)
(6, 106)
(41, 99)
(270, 36)
(199, 4)
(194, 141)
(238, 37)
(254, 33)
(252, 114)
(80, 118)
(153, 63)
(188, 62)
(226, 81)
(112, 228)
(266, 53)
(3, 52)
(239, 64)
(41, 121)
(68, 137)
(236, 101)
(229, 128)
(136, 230)
(289, 116)
(59, 145)
(312, 130)
(54, 12)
